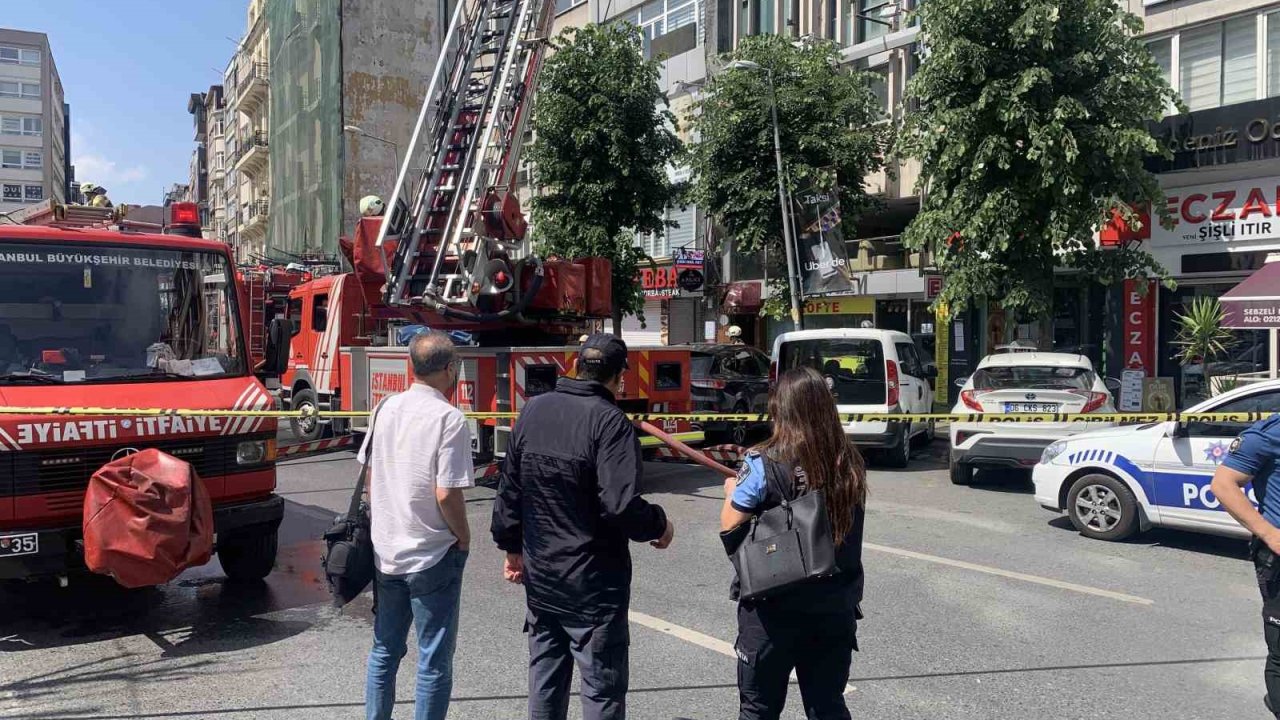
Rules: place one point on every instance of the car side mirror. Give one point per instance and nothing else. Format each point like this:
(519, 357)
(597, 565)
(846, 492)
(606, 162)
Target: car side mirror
(1175, 429)
(1112, 384)
(276, 353)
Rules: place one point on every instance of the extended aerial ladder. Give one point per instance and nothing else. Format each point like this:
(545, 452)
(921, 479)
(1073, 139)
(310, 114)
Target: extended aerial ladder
(459, 225)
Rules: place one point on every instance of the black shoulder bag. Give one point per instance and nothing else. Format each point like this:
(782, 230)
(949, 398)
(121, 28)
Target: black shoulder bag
(348, 559)
(787, 545)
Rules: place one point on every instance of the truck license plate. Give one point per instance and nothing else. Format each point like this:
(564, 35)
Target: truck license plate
(1022, 407)
(24, 544)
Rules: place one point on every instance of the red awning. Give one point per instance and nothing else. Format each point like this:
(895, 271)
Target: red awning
(1254, 304)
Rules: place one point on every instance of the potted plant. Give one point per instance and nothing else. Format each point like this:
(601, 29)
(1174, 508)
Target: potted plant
(1201, 339)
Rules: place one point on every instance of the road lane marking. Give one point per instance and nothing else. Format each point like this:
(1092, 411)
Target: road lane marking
(694, 637)
(1035, 579)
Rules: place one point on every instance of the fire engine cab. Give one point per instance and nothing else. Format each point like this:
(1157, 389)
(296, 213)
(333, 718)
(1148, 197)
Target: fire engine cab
(95, 313)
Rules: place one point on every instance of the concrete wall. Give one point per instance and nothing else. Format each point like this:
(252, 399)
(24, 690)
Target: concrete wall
(1171, 14)
(389, 50)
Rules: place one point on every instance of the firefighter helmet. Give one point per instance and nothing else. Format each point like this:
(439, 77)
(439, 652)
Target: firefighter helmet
(371, 206)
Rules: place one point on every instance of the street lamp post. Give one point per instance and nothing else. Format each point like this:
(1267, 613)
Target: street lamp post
(788, 238)
(357, 131)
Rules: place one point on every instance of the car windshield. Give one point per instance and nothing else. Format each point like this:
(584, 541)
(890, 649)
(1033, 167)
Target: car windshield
(1033, 377)
(853, 368)
(84, 314)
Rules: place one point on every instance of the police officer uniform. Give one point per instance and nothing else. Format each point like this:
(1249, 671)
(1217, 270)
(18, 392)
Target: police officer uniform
(1255, 453)
(811, 629)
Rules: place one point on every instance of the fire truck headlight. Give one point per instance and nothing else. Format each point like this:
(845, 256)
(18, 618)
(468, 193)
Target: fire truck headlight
(252, 452)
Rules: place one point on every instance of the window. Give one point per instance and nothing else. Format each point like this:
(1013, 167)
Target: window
(659, 17)
(19, 89)
(320, 313)
(1239, 60)
(33, 159)
(1200, 67)
(880, 86)
(11, 159)
(19, 125)
(853, 368)
(681, 236)
(12, 193)
(16, 56)
(1273, 54)
(765, 13)
(1162, 53)
(1268, 402)
(910, 360)
(872, 18)
(33, 193)
(846, 22)
(566, 5)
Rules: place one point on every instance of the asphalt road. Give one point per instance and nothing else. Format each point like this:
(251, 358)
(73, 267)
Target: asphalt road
(979, 605)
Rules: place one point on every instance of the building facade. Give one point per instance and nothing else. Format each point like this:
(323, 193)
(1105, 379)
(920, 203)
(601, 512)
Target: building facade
(1222, 185)
(248, 121)
(207, 110)
(33, 122)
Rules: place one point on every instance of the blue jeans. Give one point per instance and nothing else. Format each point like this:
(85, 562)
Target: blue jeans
(428, 598)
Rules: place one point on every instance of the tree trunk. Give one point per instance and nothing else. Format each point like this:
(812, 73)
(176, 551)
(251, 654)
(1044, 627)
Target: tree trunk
(617, 321)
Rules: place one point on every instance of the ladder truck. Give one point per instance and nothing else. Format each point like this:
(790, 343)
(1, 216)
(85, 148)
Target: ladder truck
(450, 252)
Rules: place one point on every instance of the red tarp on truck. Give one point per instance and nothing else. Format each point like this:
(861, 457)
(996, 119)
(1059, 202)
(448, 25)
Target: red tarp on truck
(147, 517)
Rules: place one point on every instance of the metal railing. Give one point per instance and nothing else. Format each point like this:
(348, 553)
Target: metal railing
(251, 73)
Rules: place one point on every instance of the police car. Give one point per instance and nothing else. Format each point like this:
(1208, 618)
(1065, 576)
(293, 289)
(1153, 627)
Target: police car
(1118, 481)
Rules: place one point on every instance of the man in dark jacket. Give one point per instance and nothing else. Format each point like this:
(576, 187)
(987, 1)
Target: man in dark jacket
(566, 509)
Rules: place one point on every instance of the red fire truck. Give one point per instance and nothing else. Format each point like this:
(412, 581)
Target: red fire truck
(347, 350)
(449, 251)
(95, 314)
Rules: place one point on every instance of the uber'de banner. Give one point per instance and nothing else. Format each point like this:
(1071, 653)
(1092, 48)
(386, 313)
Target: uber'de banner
(823, 257)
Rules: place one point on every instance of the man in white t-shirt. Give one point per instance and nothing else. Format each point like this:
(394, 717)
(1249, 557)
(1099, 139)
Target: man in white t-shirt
(421, 455)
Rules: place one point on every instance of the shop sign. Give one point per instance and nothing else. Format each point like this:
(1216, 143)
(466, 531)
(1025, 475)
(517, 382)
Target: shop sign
(1221, 212)
(689, 275)
(932, 287)
(862, 305)
(1240, 132)
(658, 282)
(823, 255)
(1139, 325)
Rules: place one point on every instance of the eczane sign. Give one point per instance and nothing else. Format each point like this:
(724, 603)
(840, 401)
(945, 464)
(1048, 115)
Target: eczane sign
(1240, 211)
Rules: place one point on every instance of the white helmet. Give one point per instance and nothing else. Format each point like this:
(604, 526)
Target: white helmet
(371, 206)
(733, 332)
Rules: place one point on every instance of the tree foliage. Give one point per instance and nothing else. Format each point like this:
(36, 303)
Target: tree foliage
(1031, 127)
(603, 139)
(827, 116)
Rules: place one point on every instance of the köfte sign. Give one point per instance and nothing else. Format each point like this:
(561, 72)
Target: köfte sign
(1222, 212)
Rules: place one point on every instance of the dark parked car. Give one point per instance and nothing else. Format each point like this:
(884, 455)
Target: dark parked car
(732, 379)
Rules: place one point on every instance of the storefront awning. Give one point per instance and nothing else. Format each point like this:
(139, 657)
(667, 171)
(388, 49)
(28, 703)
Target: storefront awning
(1254, 304)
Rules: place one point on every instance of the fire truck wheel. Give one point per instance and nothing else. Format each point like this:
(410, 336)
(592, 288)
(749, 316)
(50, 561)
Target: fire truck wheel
(248, 554)
(311, 428)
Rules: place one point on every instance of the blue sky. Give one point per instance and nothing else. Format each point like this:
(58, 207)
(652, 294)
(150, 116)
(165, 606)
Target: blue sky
(128, 68)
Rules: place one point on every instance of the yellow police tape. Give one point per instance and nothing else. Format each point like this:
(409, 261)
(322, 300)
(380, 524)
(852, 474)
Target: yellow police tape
(1232, 417)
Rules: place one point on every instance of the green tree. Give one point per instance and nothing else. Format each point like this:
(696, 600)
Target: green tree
(603, 139)
(1031, 129)
(1201, 337)
(827, 117)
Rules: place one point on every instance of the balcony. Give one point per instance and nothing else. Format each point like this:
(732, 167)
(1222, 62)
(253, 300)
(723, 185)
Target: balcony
(255, 219)
(885, 253)
(251, 88)
(251, 156)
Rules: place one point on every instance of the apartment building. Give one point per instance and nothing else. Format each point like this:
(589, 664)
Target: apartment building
(33, 122)
(248, 95)
(208, 159)
(1223, 58)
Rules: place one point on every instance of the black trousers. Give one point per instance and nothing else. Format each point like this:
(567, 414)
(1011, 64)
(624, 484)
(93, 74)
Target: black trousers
(600, 650)
(1267, 567)
(773, 640)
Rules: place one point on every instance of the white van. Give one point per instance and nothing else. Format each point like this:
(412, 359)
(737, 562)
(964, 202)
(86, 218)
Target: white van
(868, 371)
